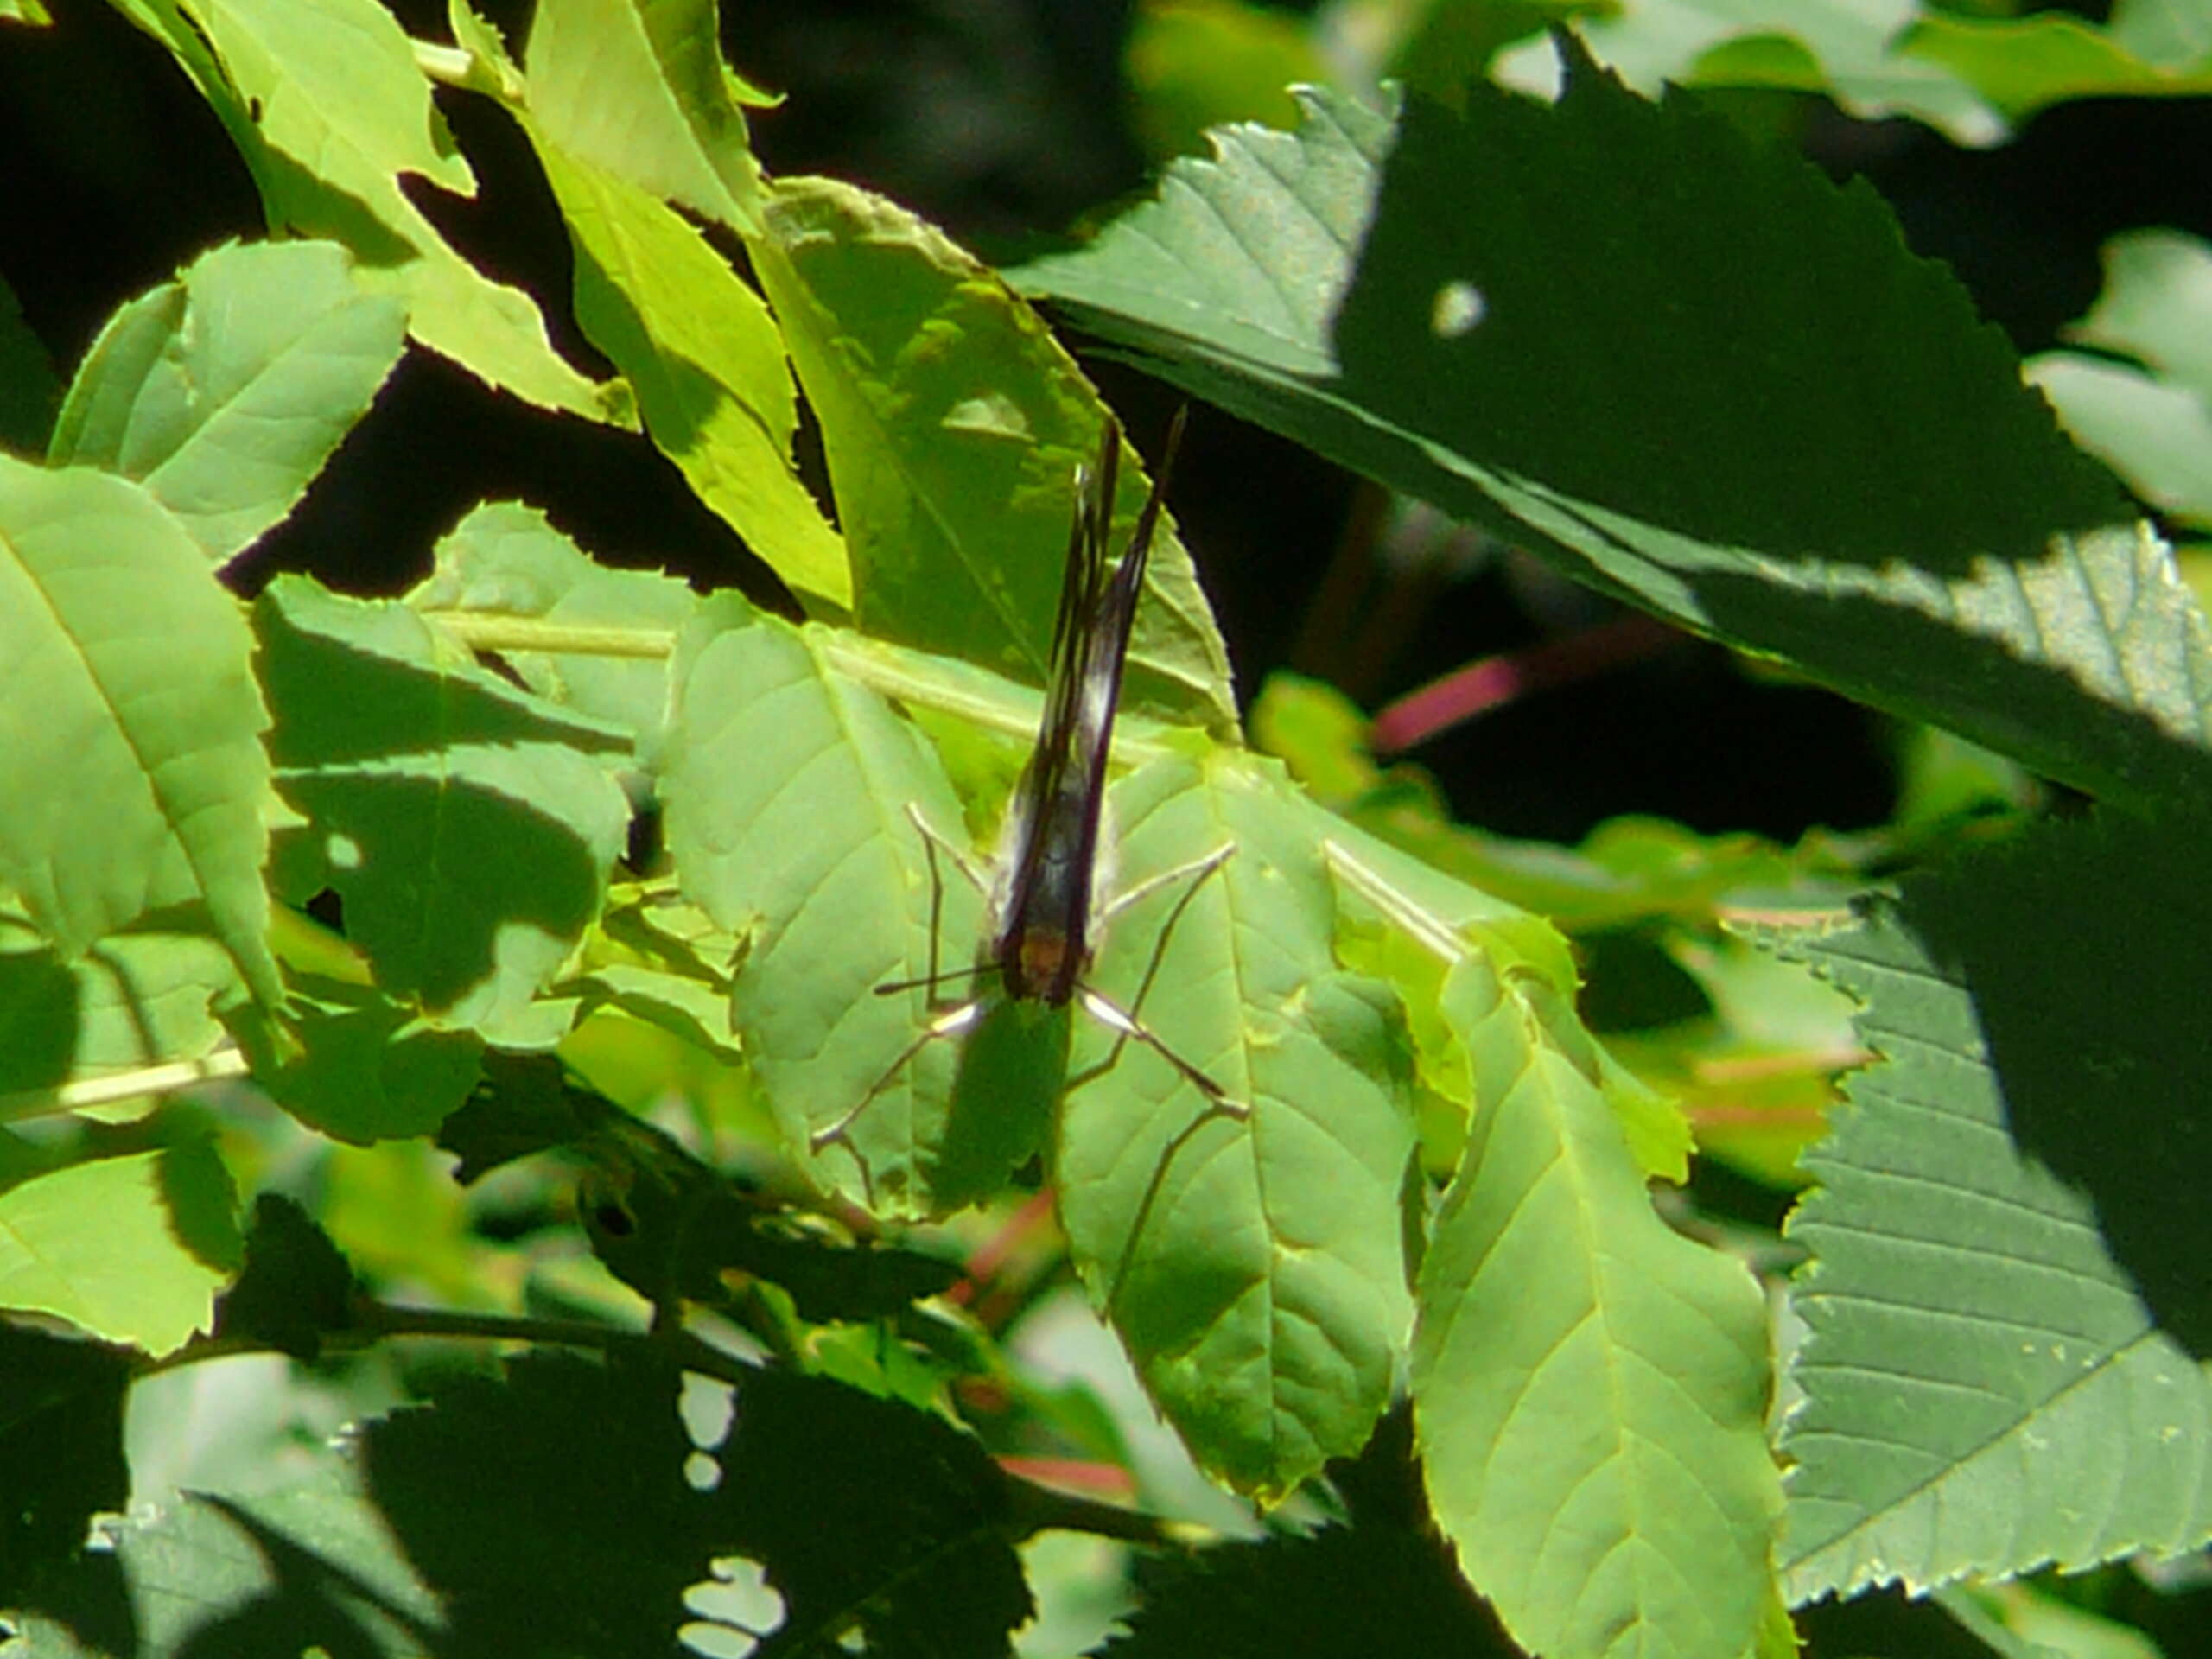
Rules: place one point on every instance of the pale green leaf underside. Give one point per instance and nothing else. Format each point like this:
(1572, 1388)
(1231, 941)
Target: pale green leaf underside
(1672, 426)
(1983, 1391)
(135, 778)
(2155, 435)
(132, 1249)
(224, 392)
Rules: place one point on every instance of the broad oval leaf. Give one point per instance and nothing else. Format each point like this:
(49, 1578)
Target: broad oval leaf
(1256, 1267)
(135, 780)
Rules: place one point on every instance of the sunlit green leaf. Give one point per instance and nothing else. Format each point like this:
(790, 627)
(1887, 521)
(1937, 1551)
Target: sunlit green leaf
(789, 789)
(1254, 1266)
(131, 1249)
(135, 781)
(224, 392)
(329, 110)
(953, 423)
(641, 91)
(503, 562)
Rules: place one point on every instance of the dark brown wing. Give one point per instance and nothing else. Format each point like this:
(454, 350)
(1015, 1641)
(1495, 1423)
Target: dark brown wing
(1043, 943)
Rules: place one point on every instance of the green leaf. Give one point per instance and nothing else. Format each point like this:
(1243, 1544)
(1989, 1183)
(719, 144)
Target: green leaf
(2155, 305)
(707, 363)
(550, 1499)
(2024, 64)
(640, 91)
(1983, 1388)
(878, 1524)
(224, 392)
(788, 786)
(133, 1000)
(137, 782)
(607, 631)
(2156, 435)
(295, 1289)
(557, 1499)
(953, 423)
(671, 1228)
(1589, 1387)
(309, 1566)
(132, 1249)
(361, 1068)
(330, 112)
(1255, 1268)
(464, 824)
(1845, 52)
(2154, 427)
(60, 1450)
(1685, 429)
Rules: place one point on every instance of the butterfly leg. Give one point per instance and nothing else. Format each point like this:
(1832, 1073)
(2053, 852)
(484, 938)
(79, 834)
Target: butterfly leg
(946, 1021)
(1125, 1023)
(950, 1023)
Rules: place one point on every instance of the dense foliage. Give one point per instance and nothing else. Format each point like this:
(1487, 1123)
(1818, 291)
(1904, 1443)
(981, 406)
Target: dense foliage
(486, 1167)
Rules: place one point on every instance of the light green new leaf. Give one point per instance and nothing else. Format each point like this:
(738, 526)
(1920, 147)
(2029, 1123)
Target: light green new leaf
(224, 392)
(134, 780)
(1984, 1390)
(132, 1249)
(707, 363)
(603, 635)
(638, 88)
(1256, 1267)
(954, 422)
(328, 108)
(1686, 428)
(464, 822)
(788, 787)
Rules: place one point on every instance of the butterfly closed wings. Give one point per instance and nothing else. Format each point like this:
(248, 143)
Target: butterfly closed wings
(1044, 918)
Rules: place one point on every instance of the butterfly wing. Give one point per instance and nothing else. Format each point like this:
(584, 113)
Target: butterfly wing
(1043, 941)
